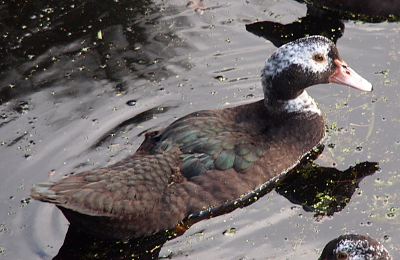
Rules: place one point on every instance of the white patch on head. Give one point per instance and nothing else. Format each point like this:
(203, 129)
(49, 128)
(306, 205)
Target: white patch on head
(300, 53)
(359, 249)
(302, 104)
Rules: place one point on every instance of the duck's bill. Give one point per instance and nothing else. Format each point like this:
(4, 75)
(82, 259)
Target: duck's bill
(346, 76)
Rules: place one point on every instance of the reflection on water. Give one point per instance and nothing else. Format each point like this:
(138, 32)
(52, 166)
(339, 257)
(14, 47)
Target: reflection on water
(322, 21)
(324, 190)
(49, 44)
(317, 22)
(367, 11)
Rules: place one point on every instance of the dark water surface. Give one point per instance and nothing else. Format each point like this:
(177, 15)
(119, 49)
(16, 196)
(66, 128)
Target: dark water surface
(80, 81)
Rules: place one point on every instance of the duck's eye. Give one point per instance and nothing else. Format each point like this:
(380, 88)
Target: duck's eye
(342, 255)
(318, 57)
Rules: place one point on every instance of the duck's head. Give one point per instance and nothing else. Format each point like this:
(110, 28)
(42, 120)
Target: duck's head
(302, 63)
(354, 247)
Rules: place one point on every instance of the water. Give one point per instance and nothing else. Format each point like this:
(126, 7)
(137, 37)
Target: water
(66, 79)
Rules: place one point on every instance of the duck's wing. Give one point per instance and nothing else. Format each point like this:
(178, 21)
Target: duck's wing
(212, 140)
(128, 186)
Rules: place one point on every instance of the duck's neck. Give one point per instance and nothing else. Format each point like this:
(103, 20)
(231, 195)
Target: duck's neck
(302, 104)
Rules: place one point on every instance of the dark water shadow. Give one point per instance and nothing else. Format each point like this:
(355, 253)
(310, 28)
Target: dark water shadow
(324, 190)
(325, 19)
(316, 22)
(321, 190)
(372, 11)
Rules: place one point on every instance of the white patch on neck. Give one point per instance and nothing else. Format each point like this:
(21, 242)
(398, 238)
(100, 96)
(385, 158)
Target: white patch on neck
(301, 104)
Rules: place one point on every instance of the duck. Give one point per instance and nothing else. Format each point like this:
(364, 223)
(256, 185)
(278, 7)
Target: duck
(354, 247)
(211, 157)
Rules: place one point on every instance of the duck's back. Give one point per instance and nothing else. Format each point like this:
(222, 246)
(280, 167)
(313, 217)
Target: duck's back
(242, 148)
